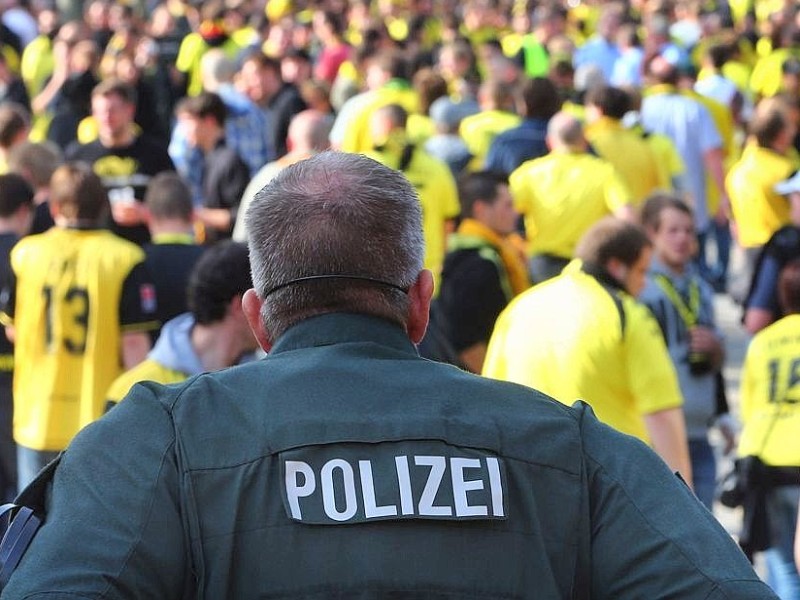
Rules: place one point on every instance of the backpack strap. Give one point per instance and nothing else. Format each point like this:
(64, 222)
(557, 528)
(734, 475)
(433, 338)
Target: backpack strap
(27, 516)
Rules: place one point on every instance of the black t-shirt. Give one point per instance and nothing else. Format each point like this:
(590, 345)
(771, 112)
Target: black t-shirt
(169, 266)
(126, 170)
(7, 285)
(225, 177)
(470, 298)
(42, 219)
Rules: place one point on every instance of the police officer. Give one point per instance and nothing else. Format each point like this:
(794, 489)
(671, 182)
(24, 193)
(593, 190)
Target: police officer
(343, 465)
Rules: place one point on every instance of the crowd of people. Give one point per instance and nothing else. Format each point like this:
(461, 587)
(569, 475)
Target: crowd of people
(585, 171)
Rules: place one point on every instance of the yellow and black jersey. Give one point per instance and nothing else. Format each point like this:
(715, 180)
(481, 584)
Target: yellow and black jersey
(77, 292)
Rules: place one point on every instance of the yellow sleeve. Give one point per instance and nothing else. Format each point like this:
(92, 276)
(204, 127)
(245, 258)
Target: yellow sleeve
(651, 374)
(617, 193)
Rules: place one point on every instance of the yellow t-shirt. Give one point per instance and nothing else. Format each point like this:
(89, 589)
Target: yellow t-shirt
(563, 194)
(438, 195)
(757, 209)
(357, 136)
(147, 370)
(565, 337)
(69, 331)
(480, 129)
(770, 394)
(190, 54)
(37, 64)
(668, 159)
(631, 156)
(767, 77)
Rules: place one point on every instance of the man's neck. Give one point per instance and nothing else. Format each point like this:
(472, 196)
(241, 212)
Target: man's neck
(216, 345)
(212, 142)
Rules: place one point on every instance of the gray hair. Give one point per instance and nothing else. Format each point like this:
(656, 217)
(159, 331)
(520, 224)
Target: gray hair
(334, 214)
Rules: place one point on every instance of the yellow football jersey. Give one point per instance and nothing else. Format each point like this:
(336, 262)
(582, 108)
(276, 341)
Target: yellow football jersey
(77, 291)
(770, 394)
(574, 339)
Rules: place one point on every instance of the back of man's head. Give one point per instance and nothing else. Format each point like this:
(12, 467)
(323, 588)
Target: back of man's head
(216, 69)
(167, 197)
(36, 161)
(770, 120)
(613, 102)
(77, 194)
(309, 131)
(350, 224)
(14, 123)
(540, 98)
(479, 186)
(221, 274)
(789, 287)
(15, 192)
(565, 131)
(612, 238)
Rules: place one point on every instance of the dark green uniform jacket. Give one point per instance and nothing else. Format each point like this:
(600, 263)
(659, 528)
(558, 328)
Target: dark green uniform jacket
(345, 466)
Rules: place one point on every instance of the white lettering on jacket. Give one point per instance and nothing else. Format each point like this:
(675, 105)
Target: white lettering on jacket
(453, 482)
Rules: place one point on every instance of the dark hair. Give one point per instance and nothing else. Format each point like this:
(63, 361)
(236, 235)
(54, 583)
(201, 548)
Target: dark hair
(612, 238)
(719, 54)
(14, 193)
(769, 121)
(262, 60)
(221, 274)
(789, 287)
(14, 119)
(168, 197)
(612, 101)
(481, 185)
(396, 114)
(205, 104)
(540, 98)
(656, 204)
(115, 87)
(79, 193)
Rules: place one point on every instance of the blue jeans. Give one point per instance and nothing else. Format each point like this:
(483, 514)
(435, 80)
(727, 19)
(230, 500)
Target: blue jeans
(782, 573)
(30, 462)
(704, 471)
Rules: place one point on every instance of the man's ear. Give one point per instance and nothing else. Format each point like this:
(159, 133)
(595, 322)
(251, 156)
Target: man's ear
(251, 305)
(419, 295)
(617, 269)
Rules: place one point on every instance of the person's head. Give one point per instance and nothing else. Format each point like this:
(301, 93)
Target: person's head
(660, 71)
(309, 131)
(386, 65)
(540, 98)
(218, 281)
(789, 287)
(385, 121)
(168, 198)
(259, 77)
(203, 119)
(496, 95)
(16, 203)
(341, 215)
(113, 107)
(430, 86)
(669, 222)
(618, 248)
(772, 125)
(216, 69)
(611, 102)
(565, 132)
(548, 21)
(14, 125)
(35, 162)
(77, 196)
(484, 196)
